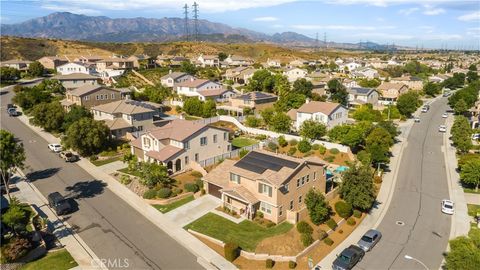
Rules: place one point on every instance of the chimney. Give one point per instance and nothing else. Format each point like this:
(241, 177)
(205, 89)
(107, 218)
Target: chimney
(170, 71)
(307, 101)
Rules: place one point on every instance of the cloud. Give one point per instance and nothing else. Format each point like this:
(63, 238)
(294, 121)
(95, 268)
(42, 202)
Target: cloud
(73, 9)
(265, 19)
(339, 27)
(431, 10)
(474, 16)
(408, 11)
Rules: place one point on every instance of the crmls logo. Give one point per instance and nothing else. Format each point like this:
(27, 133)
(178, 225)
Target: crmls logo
(110, 263)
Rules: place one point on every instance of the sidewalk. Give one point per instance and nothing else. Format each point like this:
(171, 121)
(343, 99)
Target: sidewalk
(206, 256)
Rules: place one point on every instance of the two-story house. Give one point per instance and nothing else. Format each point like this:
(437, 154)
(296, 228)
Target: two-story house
(255, 101)
(173, 78)
(89, 59)
(16, 64)
(298, 63)
(414, 83)
(77, 67)
(365, 72)
(294, 73)
(273, 184)
(360, 95)
(180, 142)
(349, 67)
(274, 63)
(113, 63)
(142, 60)
(75, 80)
(328, 113)
(203, 89)
(236, 60)
(389, 92)
(240, 75)
(92, 95)
(208, 61)
(52, 62)
(126, 116)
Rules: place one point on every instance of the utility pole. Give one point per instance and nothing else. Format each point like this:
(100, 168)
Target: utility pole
(316, 42)
(325, 44)
(185, 12)
(195, 19)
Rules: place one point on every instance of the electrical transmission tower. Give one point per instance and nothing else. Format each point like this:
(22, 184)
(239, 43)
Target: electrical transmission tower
(195, 19)
(325, 44)
(185, 12)
(316, 42)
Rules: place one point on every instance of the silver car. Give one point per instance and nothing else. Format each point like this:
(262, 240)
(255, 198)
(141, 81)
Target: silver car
(369, 240)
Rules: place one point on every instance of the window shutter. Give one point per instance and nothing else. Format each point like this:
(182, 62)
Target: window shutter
(259, 188)
(269, 191)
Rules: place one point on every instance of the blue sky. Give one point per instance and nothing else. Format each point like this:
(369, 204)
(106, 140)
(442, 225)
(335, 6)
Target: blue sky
(432, 24)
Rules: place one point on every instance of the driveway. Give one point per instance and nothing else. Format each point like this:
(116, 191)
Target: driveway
(193, 210)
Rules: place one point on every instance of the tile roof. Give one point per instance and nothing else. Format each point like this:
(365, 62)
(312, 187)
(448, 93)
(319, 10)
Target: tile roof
(242, 193)
(390, 85)
(213, 93)
(177, 129)
(16, 61)
(174, 75)
(318, 106)
(87, 89)
(193, 83)
(75, 76)
(165, 153)
(117, 123)
(256, 96)
(127, 107)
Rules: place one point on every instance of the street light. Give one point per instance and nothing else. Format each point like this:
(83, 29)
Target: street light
(417, 260)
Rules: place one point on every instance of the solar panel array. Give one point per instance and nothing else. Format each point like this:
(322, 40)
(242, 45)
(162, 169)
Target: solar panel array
(259, 163)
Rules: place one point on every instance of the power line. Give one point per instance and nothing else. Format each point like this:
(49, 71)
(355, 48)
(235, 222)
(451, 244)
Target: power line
(195, 19)
(185, 12)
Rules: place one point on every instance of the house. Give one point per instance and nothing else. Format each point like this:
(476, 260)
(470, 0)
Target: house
(414, 83)
(294, 73)
(208, 61)
(438, 78)
(349, 67)
(236, 60)
(256, 101)
(389, 91)
(240, 75)
(179, 142)
(173, 78)
(52, 62)
(16, 64)
(92, 95)
(275, 63)
(203, 89)
(298, 63)
(348, 83)
(126, 116)
(114, 63)
(77, 67)
(142, 60)
(359, 96)
(365, 72)
(88, 59)
(273, 184)
(376, 63)
(328, 113)
(75, 80)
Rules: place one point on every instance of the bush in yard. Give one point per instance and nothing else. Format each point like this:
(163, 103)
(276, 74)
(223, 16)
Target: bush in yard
(196, 174)
(176, 190)
(328, 241)
(292, 151)
(15, 249)
(125, 179)
(307, 239)
(321, 234)
(304, 227)
(261, 137)
(331, 224)
(317, 206)
(292, 264)
(269, 223)
(199, 183)
(243, 153)
(316, 146)
(304, 146)
(231, 251)
(343, 209)
(269, 263)
(351, 221)
(322, 149)
(150, 194)
(259, 214)
(357, 213)
(334, 151)
(191, 187)
(164, 193)
(377, 179)
(282, 142)
(272, 146)
(293, 142)
(329, 158)
(202, 191)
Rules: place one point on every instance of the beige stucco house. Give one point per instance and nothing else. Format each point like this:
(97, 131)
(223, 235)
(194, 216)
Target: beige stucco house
(16, 64)
(328, 113)
(92, 95)
(52, 62)
(389, 91)
(414, 83)
(75, 80)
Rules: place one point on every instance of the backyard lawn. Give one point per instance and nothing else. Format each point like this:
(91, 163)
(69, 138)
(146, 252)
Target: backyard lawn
(169, 207)
(240, 142)
(58, 260)
(473, 209)
(246, 234)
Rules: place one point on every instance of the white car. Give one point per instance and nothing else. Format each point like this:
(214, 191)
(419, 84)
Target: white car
(55, 147)
(442, 128)
(416, 119)
(447, 207)
(444, 115)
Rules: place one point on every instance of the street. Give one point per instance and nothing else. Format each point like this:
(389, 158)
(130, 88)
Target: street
(414, 224)
(114, 231)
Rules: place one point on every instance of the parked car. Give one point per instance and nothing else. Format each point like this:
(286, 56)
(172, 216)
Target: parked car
(55, 147)
(348, 258)
(447, 207)
(369, 240)
(68, 156)
(444, 115)
(425, 108)
(442, 128)
(12, 112)
(58, 203)
(10, 106)
(476, 136)
(416, 119)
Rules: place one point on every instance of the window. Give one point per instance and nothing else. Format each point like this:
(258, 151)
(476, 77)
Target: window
(265, 208)
(139, 128)
(298, 182)
(186, 160)
(291, 205)
(303, 180)
(280, 210)
(203, 141)
(265, 189)
(215, 138)
(235, 178)
(196, 157)
(308, 177)
(286, 187)
(186, 145)
(97, 98)
(113, 95)
(300, 199)
(225, 136)
(314, 176)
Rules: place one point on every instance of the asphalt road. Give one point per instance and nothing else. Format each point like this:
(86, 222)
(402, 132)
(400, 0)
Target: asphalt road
(422, 231)
(108, 225)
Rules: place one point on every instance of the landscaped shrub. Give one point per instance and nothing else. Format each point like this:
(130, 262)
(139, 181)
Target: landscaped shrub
(191, 187)
(307, 239)
(231, 251)
(150, 194)
(316, 146)
(328, 241)
(329, 158)
(164, 193)
(343, 209)
(93, 158)
(259, 214)
(321, 234)
(351, 221)
(15, 249)
(282, 142)
(292, 151)
(261, 137)
(202, 191)
(377, 179)
(334, 151)
(304, 227)
(357, 213)
(269, 263)
(340, 231)
(243, 153)
(176, 190)
(268, 223)
(331, 224)
(322, 150)
(292, 264)
(272, 146)
(293, 142)
(199, 183)
(196, 174)
(309, 153)
(304, 146)
(125, 179)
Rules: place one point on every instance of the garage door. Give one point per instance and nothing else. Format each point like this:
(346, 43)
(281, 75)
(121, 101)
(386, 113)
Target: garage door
(214, 190)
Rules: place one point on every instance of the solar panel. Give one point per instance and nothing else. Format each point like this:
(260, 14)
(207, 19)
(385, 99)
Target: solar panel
(259, 163)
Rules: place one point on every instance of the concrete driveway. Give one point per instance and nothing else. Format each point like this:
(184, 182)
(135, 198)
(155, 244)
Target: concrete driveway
(193, 210)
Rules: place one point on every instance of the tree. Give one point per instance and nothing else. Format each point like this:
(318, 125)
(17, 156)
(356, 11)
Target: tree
(290, 101)
(12, 156)
(222, 56)
(390, 127)
(281, 122)
(262, 80)
(193, 106)
(470, 173)
(87, 136)
(50, 116)
(152, 174)
(209, 108)
(460, 107)
(469, 94)
(252, 121)
(431, 89)
(15, 216)
(36, 69)
(458, 80)
(312, 129)
(461, 132)
(267, 115)
(367, 113)
(9, 74)
(188, 68)
(378, 143)
(157, 94)
(472, 76)
(74, 114)
(408, 103)
(464, 254)
(318, 208)
(338, 92)
(304, 87)
(351, 135)
(357, 187)
(373, 83)
(51, 86)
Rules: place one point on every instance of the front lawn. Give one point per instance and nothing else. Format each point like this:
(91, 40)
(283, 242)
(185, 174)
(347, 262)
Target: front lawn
(473, 209)
(169, 207)
(240, 142)
(101, 162)
(59, 260)
(471, 190)
(127, 171)
(246, 234)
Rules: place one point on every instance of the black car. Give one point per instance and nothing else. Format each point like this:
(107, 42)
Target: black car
(59, 203)
(348, 258)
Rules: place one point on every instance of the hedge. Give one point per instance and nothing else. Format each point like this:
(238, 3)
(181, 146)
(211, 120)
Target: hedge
(231, 251)
(331, 224)
(304, 227)
(343, 209)
(307, 239)
(191, 187)
(351, 221)
(357, 213)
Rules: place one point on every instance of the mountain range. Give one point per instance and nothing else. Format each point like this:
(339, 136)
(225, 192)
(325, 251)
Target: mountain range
(66, 25)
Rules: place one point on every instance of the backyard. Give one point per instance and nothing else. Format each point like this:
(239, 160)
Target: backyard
(330, 155)
(240, 142)
(58, 260)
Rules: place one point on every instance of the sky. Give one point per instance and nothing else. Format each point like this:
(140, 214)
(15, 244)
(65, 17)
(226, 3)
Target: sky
(452, 24)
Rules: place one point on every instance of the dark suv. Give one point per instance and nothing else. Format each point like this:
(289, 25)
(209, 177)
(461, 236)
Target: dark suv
(58, 203)
(348, 258)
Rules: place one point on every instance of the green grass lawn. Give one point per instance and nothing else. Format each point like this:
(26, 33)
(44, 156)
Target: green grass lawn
(127, 171)
(191, 117)
(99, 162)
(169, 207)
(58, 260)
(240, 142)
(246, 234)
(473, 209)
(471, 190)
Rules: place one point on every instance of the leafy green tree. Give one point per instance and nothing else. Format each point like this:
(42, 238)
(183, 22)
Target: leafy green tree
(378, 143)
(460, 107)
(9, 74)
(36, 69)
(12, 156)
(281, 122)
(318, 208)
(27, 97)
(373, 83)
(257, 82)
(51, 86)
(332, 66)
(431, 89)
(15, 216)
(367, 113)
(188, 68)
(153, 174)
(390, 127)
(458, 80)
(267, 115)
(87, 136)
(351, 135)
(49, 116)
(469, 94)
(408, 103)
(209, 108)
(252, 121)
(472, 74)
(464, 254)
(312, 129)
(282, 86)
(338, 92)
(222, 56)
(470, 173)
(158, 93)
(131, 160)
(304, 87)
(461, 132)
(193, 106)
(304, 146)
(290, 101)
(357, 187)
(74, 114)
